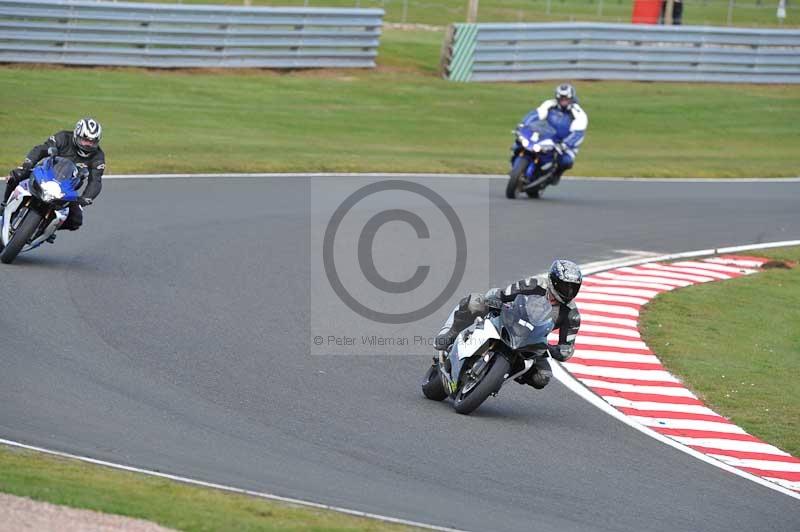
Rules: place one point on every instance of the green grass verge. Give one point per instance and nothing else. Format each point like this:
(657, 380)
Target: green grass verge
(442, 12)
(737, 345)
(400, 118)
(169, 503)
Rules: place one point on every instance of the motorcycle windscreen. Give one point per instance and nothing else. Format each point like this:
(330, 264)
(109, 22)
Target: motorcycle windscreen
(541, 129)
(528, 320)
(61, 170)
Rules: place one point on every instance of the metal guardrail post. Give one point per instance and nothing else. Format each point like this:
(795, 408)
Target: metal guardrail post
(460, 68)
(472, 11)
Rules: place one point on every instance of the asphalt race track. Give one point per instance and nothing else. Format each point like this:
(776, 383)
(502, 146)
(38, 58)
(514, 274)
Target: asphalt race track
(170, 333)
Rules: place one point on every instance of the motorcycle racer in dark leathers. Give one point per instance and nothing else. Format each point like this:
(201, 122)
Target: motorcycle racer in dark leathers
(82, 147)
(559, 286)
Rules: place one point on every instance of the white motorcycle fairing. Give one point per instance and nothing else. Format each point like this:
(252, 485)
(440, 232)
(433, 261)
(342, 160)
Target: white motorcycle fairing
(475, 340)
(14, 202)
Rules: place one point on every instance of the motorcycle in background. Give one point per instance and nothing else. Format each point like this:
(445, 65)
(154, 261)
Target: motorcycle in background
(534, 162)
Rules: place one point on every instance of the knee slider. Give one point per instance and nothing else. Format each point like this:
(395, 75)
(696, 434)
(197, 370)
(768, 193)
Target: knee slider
(71, 224)
(477, 304)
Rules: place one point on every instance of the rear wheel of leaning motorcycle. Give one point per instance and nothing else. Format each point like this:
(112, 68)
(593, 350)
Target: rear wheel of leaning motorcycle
(21, 236)
(516, 176)
(432, 385)
(491, 383)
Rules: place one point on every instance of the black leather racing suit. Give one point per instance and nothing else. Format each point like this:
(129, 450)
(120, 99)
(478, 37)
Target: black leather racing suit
(567, 322)
(95, 164)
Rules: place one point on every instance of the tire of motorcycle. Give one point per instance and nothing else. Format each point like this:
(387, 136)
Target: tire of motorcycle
(432, 385)
(516, 174)
(535, 193)
(491, 383)
(21, 236)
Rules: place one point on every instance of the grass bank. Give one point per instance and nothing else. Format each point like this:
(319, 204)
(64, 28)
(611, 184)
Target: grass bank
(442, 12)
(168, 503)
(737, 345)
(401, 118)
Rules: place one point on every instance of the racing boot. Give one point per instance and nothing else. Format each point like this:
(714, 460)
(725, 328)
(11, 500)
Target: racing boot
(538, 376)
(557, 176)
(539, 380)
(445, 339)
(11, 183)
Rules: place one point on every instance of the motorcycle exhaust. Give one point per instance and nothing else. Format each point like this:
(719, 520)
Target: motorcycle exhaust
(536, 183)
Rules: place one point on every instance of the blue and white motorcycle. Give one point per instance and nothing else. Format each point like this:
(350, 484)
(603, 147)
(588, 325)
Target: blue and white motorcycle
(503, 345)
(38, 206)
(534, 162)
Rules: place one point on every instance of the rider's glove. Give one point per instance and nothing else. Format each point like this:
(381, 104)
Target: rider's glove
(494, 299)
(562, 355)
(494, 303)
(23, 171)
(84, 202)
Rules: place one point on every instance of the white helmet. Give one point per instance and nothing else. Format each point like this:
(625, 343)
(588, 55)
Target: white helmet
(86, 136)
(565, 91)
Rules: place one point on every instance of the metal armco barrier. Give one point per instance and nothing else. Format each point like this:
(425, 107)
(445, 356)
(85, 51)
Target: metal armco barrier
(529, 52)
(180, 36)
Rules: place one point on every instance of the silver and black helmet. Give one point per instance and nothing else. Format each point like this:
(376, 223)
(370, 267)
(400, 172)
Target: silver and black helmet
(86, 136)
(565, 280)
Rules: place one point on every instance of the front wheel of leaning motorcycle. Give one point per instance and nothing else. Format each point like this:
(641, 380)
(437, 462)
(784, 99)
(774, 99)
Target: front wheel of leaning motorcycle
(516, 176)
(432, 385)
(23, 233)
(490, 383)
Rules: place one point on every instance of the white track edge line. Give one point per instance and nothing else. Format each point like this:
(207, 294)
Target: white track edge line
(561, 374)
(457, 176)
(590, 269)
(577, 387)
(241, 491)
(580, 389)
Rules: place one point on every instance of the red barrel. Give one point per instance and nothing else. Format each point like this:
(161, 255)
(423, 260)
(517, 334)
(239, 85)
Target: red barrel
(646, 11)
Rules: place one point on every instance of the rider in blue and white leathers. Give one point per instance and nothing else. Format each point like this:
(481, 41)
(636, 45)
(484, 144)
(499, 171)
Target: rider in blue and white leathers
(570, 122)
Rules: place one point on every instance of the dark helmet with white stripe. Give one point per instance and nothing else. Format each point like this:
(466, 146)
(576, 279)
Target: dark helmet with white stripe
(86, 136)
(565, 280)
(565, 96)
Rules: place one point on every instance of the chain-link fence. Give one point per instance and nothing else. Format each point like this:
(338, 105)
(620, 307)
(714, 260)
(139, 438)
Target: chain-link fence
(756, 13)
